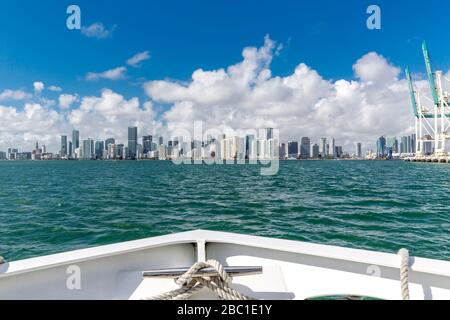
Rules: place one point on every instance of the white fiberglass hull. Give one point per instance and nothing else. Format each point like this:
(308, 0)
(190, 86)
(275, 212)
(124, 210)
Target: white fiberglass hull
(291, 270)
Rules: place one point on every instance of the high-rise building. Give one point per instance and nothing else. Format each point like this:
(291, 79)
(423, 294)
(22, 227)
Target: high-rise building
(305, 148)
(283, 151)
(248, 144)
(238, 148)
(358, 150)
(413, 143)
(99, 147)
(147, 144)
(88, 149)
(323, 147)
(112, 151)
(381, 147)
(70, 151)
(269, 133)
(121, 151)
(11, 154)
(409, 145)
(391, 146)
(160, 141)
(162, 152)
(338, 151)
(63, 151)
(139, 151)
(332, 148)
(75, 139)
(395, 146)
(293, 149)
(404, 145)
(132, 142)
(108, 142)
(315, 151)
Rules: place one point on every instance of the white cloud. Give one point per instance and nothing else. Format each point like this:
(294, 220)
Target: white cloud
(375, 68)
(21, 128)
(109, 116)
(14, 95)
(66, 100)
(38, 86)
(246, 96)
(135, 60)
(98, 30)
(46, 102)
(55, 88)
(112, 74)
(97, 117)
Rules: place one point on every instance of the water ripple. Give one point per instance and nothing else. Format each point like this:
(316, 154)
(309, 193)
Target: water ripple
(48, 207)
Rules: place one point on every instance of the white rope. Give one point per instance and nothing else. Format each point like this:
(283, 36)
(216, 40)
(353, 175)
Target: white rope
(189, 285)
(2, 260)
(404, 270)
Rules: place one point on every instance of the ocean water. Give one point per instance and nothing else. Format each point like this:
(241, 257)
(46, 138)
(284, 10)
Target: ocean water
(49, 207)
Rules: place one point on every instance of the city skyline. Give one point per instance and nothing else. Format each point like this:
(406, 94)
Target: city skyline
(265, 144)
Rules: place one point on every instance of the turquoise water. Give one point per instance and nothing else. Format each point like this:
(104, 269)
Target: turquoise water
(49, 207)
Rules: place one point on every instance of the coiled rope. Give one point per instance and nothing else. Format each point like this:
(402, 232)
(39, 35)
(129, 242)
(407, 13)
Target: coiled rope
(189, 285)
(404, 270)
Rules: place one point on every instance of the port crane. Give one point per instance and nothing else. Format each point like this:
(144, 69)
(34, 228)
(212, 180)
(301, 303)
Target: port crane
(431, 123)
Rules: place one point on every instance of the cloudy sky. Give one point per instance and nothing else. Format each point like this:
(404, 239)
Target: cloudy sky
(309, 70)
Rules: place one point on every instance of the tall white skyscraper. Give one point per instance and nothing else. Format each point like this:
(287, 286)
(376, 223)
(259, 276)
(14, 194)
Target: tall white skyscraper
(88, 149)
(323, 147)
(332, 151)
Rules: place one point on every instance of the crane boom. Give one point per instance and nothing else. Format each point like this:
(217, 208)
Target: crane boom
(412, 93)
(430, 73)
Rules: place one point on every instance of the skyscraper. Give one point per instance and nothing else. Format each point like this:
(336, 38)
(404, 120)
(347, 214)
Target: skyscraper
(99, 147)
(63, 151)
(109, 141)
(391, 146)
(147, 144)
(409, 145)
(70, 150)
(332, 150)
(75, 139)
(283, 153)
(359, 150)
(269, 133)
(292, 149)
(339, 152)
(305, 148)
(315, 151)
(323, 147)
(381, 147)
(132, 142)
(88, 149)
(404, 144)
(248, 144)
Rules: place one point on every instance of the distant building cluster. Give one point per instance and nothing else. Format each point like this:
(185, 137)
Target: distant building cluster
(397, 148)
(222, 147)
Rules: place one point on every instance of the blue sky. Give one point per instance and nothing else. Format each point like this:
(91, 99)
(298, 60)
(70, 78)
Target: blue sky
(182, 36)
(329, 36)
